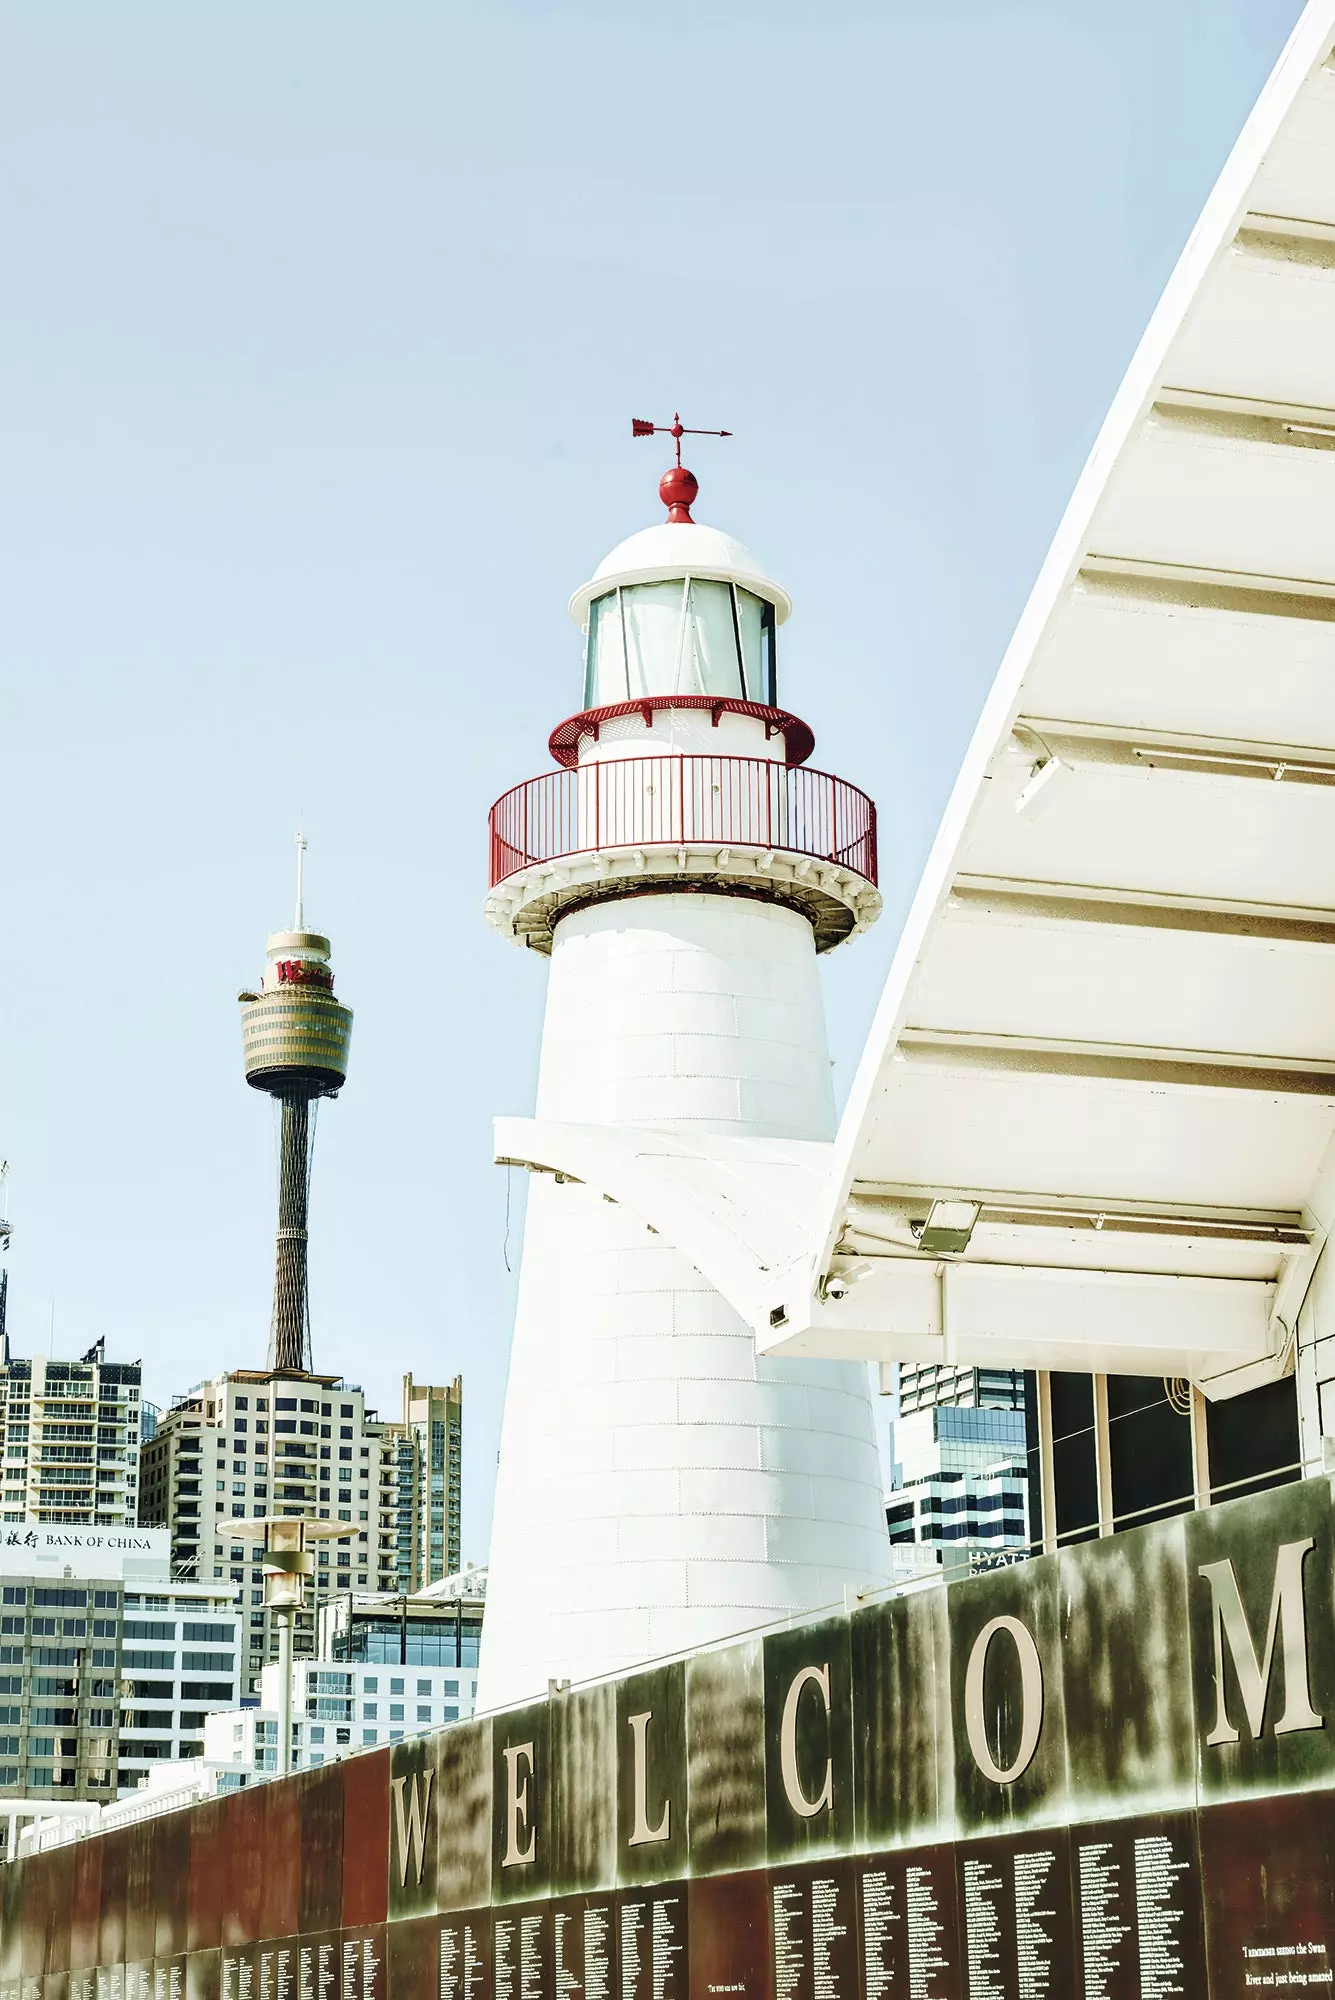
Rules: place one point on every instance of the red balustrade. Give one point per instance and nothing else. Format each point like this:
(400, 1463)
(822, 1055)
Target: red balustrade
(674, 800)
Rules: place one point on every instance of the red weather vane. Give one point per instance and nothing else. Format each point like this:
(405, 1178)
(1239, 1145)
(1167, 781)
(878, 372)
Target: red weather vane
(678, 486)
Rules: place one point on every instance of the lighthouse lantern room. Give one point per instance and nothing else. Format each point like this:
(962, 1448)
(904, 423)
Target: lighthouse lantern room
(660, 1485)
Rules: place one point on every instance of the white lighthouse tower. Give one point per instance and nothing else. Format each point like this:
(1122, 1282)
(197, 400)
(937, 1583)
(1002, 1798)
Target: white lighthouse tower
(660, 1486)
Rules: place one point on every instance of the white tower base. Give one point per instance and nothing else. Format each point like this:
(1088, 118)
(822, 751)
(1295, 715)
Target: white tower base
(661, 1487)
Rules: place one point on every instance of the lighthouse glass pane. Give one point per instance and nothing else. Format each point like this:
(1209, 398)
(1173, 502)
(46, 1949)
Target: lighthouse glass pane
(750, 615)
(677, 637)
(605, 654)
(709, 662)
(656, 652)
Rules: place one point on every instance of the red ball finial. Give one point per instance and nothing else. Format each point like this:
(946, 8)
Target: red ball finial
(677, 490)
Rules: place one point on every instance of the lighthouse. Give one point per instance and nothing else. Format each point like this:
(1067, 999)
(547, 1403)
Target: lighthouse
(682, 865)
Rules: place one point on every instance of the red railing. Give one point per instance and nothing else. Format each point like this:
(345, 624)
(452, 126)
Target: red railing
(669, 801)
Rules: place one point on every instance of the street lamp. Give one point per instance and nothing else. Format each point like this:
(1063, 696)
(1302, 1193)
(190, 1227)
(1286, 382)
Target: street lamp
(288, 1559)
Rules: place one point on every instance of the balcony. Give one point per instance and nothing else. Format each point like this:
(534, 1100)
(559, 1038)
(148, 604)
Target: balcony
(614, 828)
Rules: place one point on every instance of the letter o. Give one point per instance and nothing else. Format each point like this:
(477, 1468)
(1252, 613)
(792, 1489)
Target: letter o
(1031, 1700)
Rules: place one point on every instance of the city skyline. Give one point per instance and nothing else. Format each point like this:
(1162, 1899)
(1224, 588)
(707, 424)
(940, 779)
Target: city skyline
(337, 378)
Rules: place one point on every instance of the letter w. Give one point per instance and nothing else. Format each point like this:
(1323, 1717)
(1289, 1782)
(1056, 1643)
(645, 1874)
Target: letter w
(412, 1824)
(1287, 1617)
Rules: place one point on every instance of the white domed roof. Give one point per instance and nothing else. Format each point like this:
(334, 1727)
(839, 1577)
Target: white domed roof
(679, 548)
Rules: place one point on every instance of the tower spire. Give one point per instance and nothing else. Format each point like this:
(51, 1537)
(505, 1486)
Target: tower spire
(299, 921)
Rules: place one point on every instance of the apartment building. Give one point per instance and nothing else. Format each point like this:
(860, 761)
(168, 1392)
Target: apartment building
(72, 1441)
(433, 1420)
(260, 1441)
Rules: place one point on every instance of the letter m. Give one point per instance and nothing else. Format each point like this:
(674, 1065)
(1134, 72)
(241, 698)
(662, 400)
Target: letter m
(410, 1822)
(1288, 1620)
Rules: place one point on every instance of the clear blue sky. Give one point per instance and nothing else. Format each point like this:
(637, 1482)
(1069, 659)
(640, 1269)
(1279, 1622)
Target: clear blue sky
(322, 329)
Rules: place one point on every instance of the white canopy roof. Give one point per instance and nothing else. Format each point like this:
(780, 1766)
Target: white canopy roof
(1110, 1023)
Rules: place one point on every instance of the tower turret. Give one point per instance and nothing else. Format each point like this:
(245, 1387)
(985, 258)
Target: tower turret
(295, 1038)
(661, 1485)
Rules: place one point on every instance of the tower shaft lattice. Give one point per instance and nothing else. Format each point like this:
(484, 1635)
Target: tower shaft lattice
(290, 1328)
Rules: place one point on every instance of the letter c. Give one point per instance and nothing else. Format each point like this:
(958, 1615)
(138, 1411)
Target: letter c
(792, 1784)
(1031, 1700)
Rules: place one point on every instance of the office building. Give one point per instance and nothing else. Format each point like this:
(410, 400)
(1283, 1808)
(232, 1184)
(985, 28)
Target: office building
(108, 1667)
(960, 1485)
(437, 1627)
(72, 1436)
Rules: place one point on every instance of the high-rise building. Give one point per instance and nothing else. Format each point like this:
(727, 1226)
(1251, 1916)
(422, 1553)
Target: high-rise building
(661, 1485)
(72, 1440)
(433, 1418)
(930, 1385)
(260, 1441)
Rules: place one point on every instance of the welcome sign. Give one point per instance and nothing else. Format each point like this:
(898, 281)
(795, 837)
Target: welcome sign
(1106, 1773)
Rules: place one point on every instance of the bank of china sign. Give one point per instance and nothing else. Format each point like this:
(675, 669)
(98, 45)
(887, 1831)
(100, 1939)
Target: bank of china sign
(1106, 1774)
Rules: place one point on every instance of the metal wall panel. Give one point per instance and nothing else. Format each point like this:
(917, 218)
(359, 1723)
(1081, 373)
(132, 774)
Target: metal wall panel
(463, 1817)
(1294, 1746)
(365, 1838)
(62, 1869)
(412, 1827)
(34, 1917)
(1268, 1878)
(903, 1748)
(1008, 1710)
(1014, 1901)
(413, 1951)
(1128, 1707)
(243, 1900)
(86, 1915)
(808, 1741)
(169, 1890)
(814, 1931)
(520, 1804)
(725, 1758)
(1136, 1893)
(521, 1951)
(208, 1879)
(319, 1965)
(583, 1814)
(908, 1926)
(140, 1923)
(115, 1878)
(464, 1948)
(321, 1821)
(730, 1937)
(650, 1784)
(654, 1942)
(280, 1907)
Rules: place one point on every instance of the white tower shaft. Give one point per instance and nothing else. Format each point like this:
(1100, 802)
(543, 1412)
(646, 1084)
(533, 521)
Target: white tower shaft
(661, 1486)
